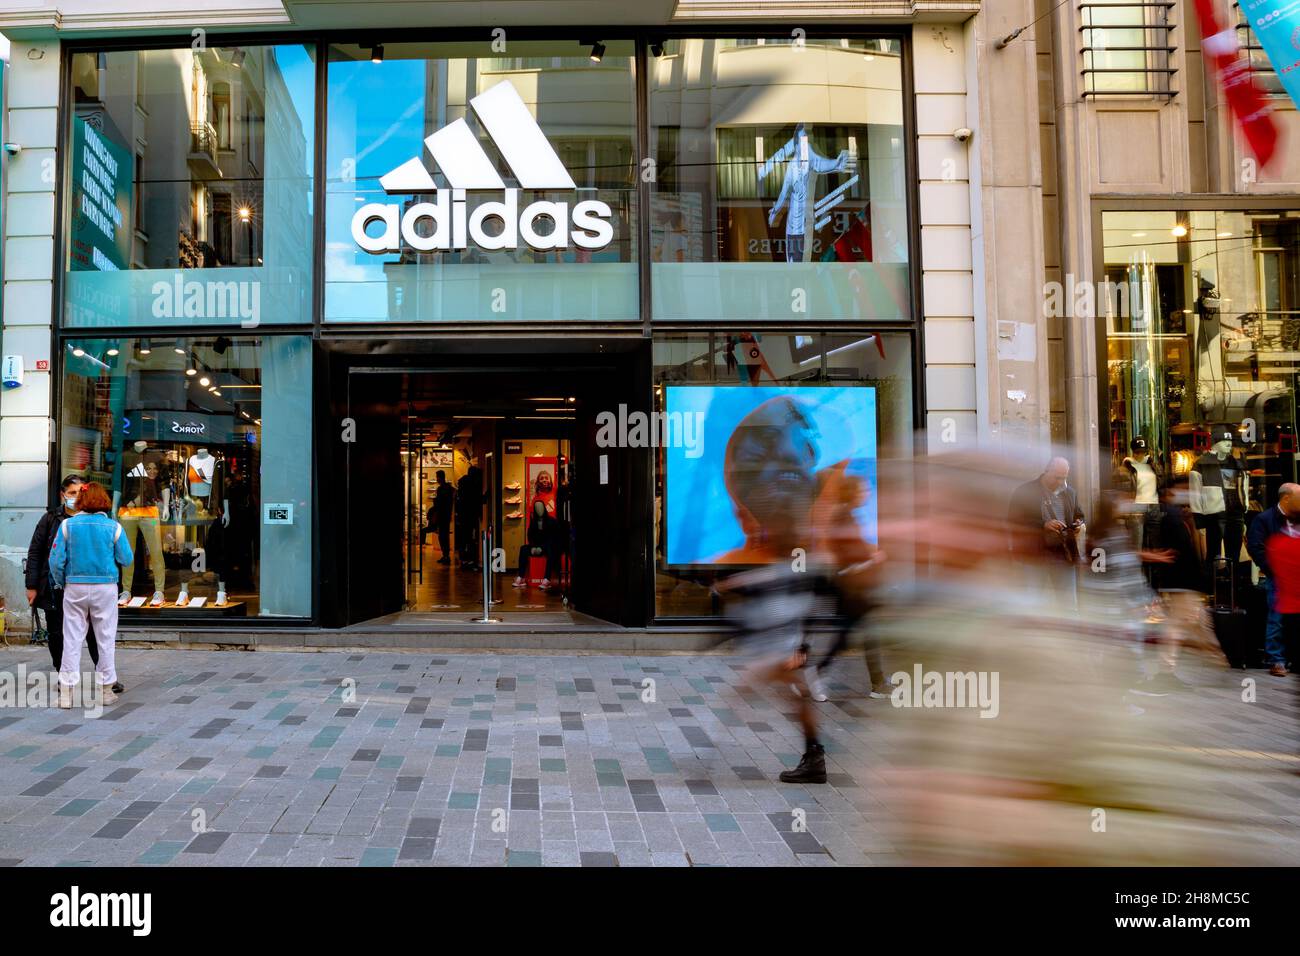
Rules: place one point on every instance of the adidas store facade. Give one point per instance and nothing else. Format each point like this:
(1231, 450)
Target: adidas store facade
(329, 266)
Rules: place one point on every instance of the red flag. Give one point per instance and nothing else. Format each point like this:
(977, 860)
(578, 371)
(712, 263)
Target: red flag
(1254, 113)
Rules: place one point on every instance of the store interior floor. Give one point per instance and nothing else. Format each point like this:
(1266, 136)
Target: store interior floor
(448, 588)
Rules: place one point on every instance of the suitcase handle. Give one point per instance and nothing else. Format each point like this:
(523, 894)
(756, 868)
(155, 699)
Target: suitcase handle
(1232, 584)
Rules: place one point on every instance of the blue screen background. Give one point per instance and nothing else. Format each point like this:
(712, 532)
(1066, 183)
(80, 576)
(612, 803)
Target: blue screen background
(699, 518)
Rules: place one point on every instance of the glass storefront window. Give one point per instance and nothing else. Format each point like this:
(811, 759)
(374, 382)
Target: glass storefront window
(828, 399)
(1202, 321)
(466, 186)
(205, 444)
(190, 187)
(781, 186)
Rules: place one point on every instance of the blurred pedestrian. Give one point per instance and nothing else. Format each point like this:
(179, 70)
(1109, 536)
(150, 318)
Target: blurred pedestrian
(853, 565)
(1178, 575)
(769, 606)
(84, 561)
(1265, 525)
(1047, 522)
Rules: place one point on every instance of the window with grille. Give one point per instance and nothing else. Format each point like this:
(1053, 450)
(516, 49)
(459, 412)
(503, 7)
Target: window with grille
(1127, 48)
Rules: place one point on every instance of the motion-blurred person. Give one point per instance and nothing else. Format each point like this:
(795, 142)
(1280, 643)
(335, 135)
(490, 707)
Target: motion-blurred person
(769, 607)
(1047, 522)
(88, 550)
(769, 469)
(853, 565)
(1010, 748)
(1267, 524)
(1179, 577)
(1283, 552)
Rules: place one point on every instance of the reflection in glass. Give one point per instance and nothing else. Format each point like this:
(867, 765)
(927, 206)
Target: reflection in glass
(707, 373)
(466, 186)
(778, 167)
(205, 444)
(190, 187)
(1202, 313)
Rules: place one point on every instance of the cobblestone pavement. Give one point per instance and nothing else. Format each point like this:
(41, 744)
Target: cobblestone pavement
(222, 758)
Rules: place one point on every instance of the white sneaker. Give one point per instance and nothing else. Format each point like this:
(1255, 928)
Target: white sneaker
(880, 694)
(157, 599)
(818, 687)
(65, 697)
(221, 597)
(124, 596)
(519, 583)
(106, 695)
(183, 599)
(546, 584)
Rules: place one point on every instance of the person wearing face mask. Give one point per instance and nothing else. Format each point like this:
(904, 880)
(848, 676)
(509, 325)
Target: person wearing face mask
(1276, 520)
(542, 530)
(41, 592)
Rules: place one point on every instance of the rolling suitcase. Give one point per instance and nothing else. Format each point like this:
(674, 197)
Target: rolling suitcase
(1230, 622)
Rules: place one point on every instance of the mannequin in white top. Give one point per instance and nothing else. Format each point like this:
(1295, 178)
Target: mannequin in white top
(1219, 490)
(148, 502)
(202, 473)
(1144, 475)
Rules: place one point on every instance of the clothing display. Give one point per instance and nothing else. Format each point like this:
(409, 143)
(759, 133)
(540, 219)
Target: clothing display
(1218, 488)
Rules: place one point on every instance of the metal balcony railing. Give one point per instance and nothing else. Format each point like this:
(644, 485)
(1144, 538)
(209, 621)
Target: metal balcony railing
(1127, 48)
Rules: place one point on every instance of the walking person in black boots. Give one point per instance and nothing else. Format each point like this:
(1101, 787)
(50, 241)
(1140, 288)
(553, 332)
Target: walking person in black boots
(41, 592)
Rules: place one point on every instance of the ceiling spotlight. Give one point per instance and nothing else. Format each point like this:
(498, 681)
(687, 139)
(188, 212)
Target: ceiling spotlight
(112, 351)
(377, 53)
(572, 398)
(245, 414)
(216, 392)
(78, 352)
(1178, 231)
(191, 371)
(144, 347)
(205, 381)
(237, 58)
(179, 347)
(597, 52)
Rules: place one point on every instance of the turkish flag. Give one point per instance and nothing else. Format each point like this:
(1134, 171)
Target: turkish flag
(1219, 44)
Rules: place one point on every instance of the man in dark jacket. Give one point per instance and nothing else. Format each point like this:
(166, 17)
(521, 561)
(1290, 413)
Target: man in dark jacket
(440, 515)
(40, 590)
(1045, 524)
(469, 511)
(1266, 524)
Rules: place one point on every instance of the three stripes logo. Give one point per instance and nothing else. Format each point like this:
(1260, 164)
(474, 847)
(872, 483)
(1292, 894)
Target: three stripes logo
(456, 151)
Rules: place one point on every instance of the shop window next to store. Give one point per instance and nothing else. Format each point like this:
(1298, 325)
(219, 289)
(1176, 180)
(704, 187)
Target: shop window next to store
(1201, 314)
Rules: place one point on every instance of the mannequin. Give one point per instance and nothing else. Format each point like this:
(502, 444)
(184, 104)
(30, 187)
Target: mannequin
(1219, 488)
(1144, 473)
(147, 505)
(205, 487)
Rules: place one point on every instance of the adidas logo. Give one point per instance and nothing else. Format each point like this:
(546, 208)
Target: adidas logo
(456, 151)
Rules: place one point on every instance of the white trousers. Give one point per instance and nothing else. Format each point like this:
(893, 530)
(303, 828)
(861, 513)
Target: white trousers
(83, 603)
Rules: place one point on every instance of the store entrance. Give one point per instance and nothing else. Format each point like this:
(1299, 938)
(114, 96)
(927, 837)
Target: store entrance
(444, 459)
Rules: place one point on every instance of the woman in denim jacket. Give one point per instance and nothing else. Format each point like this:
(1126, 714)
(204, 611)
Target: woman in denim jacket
(85, 561)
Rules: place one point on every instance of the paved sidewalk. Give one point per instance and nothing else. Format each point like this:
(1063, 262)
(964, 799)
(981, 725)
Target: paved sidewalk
(433, 751)
(223, 758)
